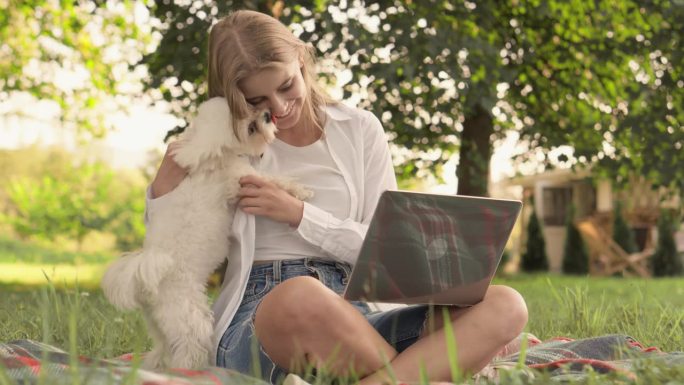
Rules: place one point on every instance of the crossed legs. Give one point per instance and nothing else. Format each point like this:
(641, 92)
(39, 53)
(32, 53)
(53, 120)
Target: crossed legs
(302, 323)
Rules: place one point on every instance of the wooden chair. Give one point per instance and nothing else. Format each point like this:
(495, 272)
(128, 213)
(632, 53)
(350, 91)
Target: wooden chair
(606, 257)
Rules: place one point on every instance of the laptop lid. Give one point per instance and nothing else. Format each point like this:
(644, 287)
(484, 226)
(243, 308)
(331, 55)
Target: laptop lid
(431, 248)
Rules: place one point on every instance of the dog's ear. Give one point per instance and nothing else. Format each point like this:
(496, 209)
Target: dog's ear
(209, 133)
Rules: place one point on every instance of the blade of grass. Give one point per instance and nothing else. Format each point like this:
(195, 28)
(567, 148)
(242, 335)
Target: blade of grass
(452, 352)
(389, 370)
(131, 377)
(73, 343)
(45, 310)
(554, 292)
(522, 354)
(256, 362)
(4, 377)
(423, 374)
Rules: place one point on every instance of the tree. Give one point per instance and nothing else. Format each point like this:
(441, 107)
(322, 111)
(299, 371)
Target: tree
(449, 78)
(666, 261)
(575, 256)
(622, 233)
(82, 56)
(534, 258)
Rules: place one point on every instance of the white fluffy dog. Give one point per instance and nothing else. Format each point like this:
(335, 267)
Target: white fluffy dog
(185, 243)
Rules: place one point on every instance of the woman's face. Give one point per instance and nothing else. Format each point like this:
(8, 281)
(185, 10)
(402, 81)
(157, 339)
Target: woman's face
(279, 88)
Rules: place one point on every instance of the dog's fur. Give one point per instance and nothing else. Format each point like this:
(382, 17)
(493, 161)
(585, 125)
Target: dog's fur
(188, 240)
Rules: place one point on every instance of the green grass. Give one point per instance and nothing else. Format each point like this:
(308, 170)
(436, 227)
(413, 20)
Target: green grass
(652, 311)
(28, 263)
(17, 251)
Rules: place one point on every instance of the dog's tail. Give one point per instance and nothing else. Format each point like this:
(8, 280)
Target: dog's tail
(134, 278)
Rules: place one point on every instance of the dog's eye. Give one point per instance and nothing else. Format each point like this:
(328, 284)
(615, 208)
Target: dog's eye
(252, 128)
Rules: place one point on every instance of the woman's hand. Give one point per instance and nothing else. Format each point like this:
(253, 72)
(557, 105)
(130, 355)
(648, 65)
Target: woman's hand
(261, 197)
(169, 175)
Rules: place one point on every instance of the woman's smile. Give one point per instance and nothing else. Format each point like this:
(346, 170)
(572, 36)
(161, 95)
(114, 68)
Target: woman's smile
(287, 113)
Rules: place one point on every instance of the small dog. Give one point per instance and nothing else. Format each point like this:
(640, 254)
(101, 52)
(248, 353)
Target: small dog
(186, 242)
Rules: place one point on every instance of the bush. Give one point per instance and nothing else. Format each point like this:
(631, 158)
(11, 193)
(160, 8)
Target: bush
(535, 258)
(575, 256)
(71, 207)
(48, 195)
(666, 261)
(128, 225)
(622, 233)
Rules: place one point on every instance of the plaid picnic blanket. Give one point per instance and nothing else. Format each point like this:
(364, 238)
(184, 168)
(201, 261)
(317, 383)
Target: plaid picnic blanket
(567, 359)
(25, 361)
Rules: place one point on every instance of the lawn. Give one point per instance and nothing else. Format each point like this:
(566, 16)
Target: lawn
(652, 311)
(71, 312)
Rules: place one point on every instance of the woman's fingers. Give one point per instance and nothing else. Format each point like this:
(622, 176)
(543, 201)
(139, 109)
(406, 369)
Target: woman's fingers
(248, 191)
(253, 180)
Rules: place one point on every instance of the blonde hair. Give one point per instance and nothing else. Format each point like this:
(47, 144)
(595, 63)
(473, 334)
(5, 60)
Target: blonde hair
(246, 42)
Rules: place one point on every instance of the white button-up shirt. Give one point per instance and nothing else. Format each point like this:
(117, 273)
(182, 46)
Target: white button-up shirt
(359, 148)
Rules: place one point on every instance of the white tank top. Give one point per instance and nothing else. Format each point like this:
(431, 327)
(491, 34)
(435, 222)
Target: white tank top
(313, 167)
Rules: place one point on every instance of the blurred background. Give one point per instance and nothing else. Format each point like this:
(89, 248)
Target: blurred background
(575, 107)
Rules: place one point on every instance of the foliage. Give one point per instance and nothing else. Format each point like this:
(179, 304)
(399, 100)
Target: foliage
(622, 233)
(72, 207)
(575, 256)
(534, 258)
(44, 195)
(82, 56)
(666, 261)
(600, 76)
(128, 225)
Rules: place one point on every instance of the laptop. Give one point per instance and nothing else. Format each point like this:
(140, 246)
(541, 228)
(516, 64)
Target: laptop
(437, 249)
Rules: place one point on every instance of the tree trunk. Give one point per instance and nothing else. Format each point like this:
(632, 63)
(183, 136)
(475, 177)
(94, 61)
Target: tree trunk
(475, 153)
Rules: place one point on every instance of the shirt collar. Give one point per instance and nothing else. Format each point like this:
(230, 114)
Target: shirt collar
(334, 112)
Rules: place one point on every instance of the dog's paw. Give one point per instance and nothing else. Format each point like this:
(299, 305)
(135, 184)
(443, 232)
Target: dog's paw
(293, 188)
(301, 193)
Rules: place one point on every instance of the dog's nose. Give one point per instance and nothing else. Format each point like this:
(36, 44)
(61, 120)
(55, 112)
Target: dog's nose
(267, 117)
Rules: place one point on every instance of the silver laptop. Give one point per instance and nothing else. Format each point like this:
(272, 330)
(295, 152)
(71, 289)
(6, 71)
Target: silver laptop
(431, 249)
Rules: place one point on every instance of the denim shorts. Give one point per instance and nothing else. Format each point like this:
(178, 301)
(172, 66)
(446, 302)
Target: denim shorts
(239, 348)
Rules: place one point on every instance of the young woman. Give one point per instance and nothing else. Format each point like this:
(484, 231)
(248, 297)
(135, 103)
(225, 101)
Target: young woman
(280, 308)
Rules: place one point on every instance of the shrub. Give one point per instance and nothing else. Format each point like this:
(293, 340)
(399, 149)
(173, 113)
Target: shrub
(622, 233)
(535, 258)
(128, 225)
(575, 256)
(50, 195)
(71, 206)
(666, 261)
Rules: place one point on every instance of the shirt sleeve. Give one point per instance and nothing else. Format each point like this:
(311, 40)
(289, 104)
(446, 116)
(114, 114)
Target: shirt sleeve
(341, 239)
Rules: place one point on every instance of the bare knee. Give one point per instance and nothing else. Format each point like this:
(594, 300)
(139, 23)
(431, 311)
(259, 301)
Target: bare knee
(283, 319)
(295, 304)
(510, 308)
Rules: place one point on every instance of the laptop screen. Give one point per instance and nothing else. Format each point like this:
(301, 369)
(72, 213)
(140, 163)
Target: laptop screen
(421, 245)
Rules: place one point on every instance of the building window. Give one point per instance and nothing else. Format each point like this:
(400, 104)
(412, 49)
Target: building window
(555, 204)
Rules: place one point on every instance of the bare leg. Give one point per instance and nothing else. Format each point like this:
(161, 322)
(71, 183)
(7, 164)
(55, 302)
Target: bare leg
(480, 332)
(303, 323)
(325, 330)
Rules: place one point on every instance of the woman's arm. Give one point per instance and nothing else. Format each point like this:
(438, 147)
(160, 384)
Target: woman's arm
(168, 177)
